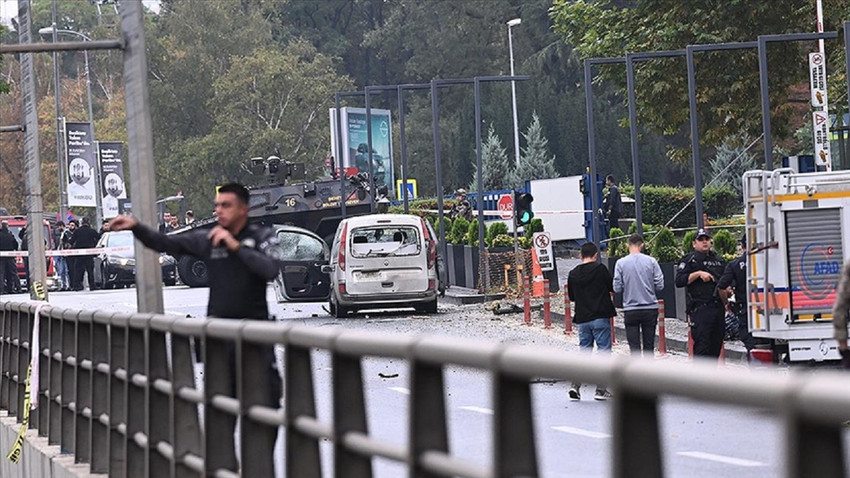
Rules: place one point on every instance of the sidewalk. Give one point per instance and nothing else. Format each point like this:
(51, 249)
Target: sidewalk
(676, 330)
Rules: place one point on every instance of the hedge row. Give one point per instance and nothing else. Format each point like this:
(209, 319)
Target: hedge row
(661, 203)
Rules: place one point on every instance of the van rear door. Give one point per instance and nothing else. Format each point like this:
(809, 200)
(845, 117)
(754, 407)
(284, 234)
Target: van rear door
(387, 259)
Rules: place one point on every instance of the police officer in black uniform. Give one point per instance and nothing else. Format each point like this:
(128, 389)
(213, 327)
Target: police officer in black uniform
(241, 259)
(699, 271)
(735, 276)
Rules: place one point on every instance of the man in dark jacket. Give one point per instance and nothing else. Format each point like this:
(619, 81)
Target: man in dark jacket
(613, 204)
(590, 286)
(698, 272)
(735, 276)
(9, 283)
(85, 238)
(241, 259)
(68, 243)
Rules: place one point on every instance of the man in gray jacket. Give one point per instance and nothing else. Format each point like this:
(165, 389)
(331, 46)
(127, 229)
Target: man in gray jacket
(638, 276)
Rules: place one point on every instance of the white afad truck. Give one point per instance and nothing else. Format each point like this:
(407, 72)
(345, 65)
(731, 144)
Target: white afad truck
(796, 225)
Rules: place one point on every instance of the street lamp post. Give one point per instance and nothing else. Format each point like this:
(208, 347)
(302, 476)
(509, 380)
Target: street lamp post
(513, 23)
(54, 32)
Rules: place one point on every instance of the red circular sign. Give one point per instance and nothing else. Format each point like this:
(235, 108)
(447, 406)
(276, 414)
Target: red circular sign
(542, 241)
(506, 206)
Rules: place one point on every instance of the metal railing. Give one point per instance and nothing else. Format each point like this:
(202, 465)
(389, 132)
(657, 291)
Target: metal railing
(118, 391)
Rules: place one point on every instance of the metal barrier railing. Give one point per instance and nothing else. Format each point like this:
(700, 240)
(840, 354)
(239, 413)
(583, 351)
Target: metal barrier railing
(117, 390)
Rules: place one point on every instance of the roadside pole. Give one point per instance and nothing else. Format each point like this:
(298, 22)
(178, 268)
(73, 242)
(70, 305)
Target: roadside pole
(35, 207)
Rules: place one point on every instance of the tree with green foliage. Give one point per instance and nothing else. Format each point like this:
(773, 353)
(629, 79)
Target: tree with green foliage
(496, 167)
(535, 161)
(727, 83)
(733, 158)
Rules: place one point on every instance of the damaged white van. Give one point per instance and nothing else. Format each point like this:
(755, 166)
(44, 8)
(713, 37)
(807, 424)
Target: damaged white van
(383, 261)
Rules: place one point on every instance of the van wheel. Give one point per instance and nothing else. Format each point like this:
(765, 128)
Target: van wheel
(428, 307)
(338, 311)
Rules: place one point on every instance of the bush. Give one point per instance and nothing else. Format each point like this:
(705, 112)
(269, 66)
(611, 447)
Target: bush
(472, 233)
(524, 242)
(496, 229)
(617, 247)
(688, 241)
(660, 203)
(458, 231)
(725, 244)
(536, 225)
(502, 240)
(663, 246)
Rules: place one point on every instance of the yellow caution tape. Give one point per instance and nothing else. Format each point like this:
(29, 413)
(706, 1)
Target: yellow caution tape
(15, 453)
(39, 291)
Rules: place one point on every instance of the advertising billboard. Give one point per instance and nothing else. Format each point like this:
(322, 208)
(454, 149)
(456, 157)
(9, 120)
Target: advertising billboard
(79, 150)
(355, 151)
(111, 159)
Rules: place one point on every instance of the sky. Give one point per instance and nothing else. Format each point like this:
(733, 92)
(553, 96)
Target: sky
(9, 8)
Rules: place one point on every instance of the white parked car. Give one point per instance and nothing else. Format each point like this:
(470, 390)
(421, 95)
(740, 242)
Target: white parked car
(383, 261)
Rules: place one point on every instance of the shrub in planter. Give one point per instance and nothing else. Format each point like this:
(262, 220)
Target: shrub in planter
(536, 225)
(617, 247)
(502, 240)
(664, 248)
(524, 242)
(725, 244)
(436, 225)
(458, 231)
(495, 229)
(472, 233)
(688, 241)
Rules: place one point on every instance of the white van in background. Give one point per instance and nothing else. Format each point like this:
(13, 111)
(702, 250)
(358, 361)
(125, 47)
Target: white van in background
(383, 261)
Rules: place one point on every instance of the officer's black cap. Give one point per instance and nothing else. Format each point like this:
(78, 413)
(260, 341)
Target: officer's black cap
(702, 233)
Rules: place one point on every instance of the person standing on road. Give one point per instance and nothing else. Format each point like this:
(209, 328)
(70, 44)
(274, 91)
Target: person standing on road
(839, 315)
(22, 235)
(241, 259)
(735, 277)
(614, 203)
(638, 276)
(589, 287)
(85, 238)
(698, 272)
(9, 282)
(68, 243)
(61, 262)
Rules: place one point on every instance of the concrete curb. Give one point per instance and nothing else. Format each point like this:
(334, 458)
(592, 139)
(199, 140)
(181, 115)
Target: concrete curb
(38, 460)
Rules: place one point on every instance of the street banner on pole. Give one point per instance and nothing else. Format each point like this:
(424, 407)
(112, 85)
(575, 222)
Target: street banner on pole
(79, 148)
(820, 107)
(111, 158)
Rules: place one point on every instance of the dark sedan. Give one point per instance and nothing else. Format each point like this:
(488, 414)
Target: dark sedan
(118, 268)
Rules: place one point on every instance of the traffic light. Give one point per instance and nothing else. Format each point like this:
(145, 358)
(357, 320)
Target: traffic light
(522, 206)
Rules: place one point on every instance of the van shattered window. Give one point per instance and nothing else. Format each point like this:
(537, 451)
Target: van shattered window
(382, 241)
(295, 246)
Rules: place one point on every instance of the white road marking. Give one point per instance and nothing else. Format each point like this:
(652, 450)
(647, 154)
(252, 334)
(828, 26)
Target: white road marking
(485, 411)
(581, 432)
(400, 390)
(720, 458)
